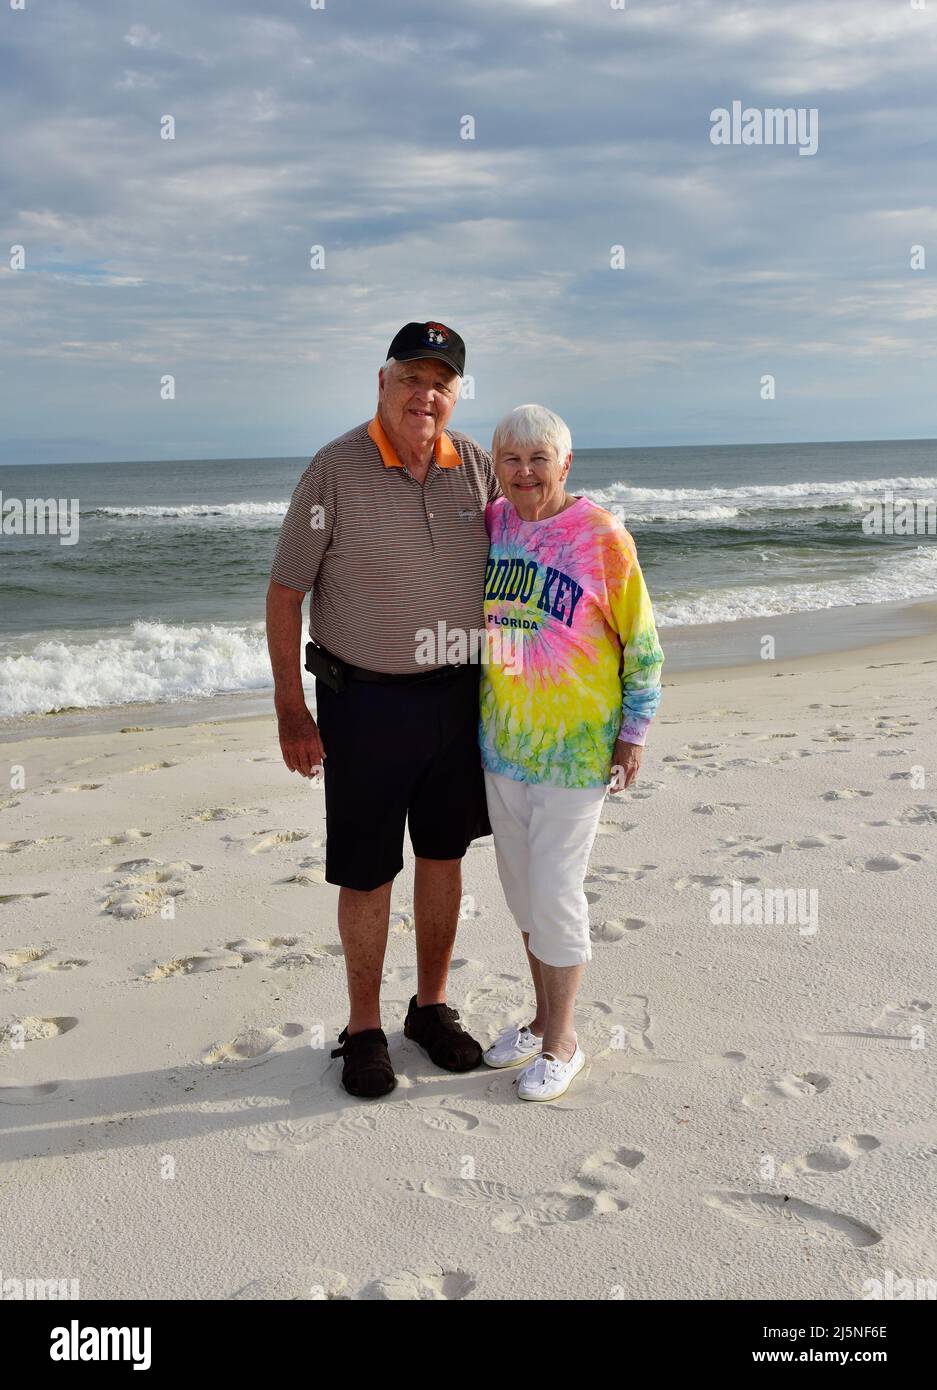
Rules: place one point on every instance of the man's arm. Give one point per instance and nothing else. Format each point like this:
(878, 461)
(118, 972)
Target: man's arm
(303, 541)
(300, 742)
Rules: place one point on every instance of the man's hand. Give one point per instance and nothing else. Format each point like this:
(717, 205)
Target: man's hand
(300, 742)
(626, 759)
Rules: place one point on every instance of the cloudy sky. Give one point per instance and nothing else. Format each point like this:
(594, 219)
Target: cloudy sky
(341, 127)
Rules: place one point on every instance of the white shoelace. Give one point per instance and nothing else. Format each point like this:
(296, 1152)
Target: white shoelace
(543, 1069)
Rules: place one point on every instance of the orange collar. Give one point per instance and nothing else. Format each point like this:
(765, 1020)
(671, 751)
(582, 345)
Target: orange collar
(444, 449)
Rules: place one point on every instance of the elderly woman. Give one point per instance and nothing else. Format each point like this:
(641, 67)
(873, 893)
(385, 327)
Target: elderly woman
(570, 684)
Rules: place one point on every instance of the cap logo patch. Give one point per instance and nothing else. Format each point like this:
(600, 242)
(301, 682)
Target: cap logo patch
(437, 334)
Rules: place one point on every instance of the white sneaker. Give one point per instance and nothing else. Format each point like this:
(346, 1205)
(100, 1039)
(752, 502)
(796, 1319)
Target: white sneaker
(513, 1046)
(547, 1077)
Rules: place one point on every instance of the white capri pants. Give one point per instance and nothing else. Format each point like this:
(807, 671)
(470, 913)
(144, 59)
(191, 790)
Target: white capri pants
(543, 838)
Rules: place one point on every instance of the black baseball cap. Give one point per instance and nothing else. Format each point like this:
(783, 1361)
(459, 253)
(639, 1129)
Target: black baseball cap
(429, 340)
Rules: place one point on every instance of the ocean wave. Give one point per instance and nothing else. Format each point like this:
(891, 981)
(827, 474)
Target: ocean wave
(195, 510)
(153, 662)
(724, 503)
(910, 576)
(710, 513)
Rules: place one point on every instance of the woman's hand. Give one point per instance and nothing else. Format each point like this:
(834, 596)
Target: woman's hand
(626, 759)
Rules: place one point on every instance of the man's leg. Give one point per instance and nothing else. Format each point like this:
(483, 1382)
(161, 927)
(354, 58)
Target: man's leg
(362, 924)
(437, 894)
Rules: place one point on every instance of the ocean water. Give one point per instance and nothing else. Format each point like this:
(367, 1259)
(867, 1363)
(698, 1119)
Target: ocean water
(162, 598)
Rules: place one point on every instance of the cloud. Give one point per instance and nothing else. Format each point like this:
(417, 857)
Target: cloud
(341, 127)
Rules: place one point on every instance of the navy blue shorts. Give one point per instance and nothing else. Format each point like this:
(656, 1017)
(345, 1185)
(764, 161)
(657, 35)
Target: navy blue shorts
(400, 754)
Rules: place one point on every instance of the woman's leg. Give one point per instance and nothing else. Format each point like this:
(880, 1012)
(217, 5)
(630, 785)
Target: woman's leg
(509, 814)
(563, 827)
(561, 985)
(538, 1023)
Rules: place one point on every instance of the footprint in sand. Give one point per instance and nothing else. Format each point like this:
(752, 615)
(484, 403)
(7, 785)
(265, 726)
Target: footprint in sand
(885, 863)
(402, 922)
(19, 1031)
(29, 962)
(216, 813)
(126, 837)
(311, 1283)
(267, 840)
(711, 881)
(6, 898)
(616, 1028)
(844, 794)
(615, 929)
(144, 885)
(20, 846)
(153, 767)
(790, 1216)
(252, 1045)
(310, 874)
(614, 827)
(497, 1002)
(701, 750)
(726, 1059)
(312, 955)
(914, 1011)
(696, 769)
(75, 787)
(608, 874)
(911, 815)
(239, 953)
(789, 1086)
(13, 1093)
(447, 1117)
(719, 808)
(753, 847)
(832, 1158)
(424, 1285)
(313, 1115)
(596, 1190)
(190, 965)
(911, 1018)
(640, 792)
(836, 733)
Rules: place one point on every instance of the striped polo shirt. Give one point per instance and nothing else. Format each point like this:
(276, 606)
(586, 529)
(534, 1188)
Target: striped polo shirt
(384, 555)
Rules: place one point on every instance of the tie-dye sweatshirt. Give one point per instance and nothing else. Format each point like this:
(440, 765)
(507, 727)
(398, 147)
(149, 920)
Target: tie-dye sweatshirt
(573, 660)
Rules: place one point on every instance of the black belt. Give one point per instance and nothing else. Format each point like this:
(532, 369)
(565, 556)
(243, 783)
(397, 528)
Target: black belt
(360, 673)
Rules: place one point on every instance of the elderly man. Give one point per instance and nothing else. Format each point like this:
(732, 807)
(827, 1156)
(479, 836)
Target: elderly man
(387, 529)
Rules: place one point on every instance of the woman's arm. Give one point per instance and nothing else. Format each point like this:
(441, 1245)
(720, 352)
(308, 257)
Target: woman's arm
(641, 657)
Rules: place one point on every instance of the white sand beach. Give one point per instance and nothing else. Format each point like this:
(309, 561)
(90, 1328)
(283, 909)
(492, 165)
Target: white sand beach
(757, 1118)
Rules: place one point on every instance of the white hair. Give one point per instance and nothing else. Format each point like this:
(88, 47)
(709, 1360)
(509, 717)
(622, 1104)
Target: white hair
(528, 425)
